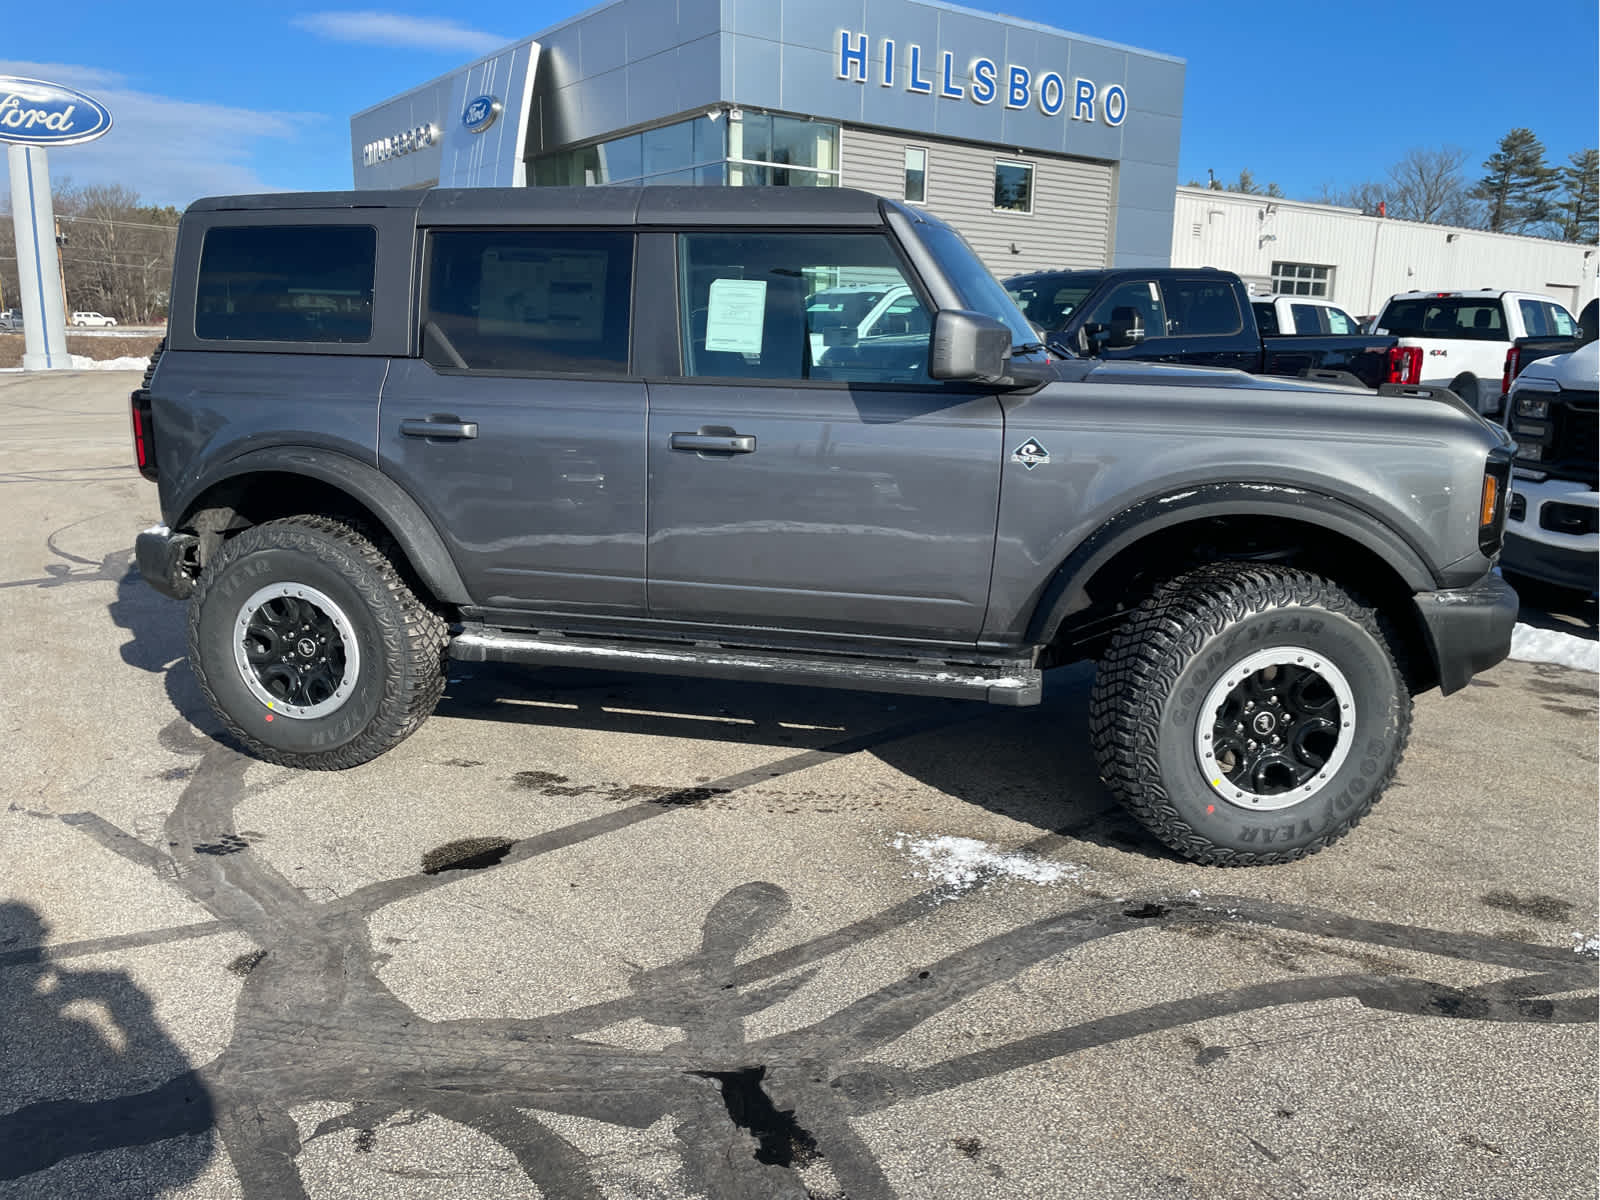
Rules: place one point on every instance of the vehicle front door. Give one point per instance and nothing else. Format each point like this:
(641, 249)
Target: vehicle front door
(844, 492)
(520, 430)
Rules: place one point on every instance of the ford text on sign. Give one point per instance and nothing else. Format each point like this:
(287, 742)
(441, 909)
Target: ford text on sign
(983, 81)
(36, 113)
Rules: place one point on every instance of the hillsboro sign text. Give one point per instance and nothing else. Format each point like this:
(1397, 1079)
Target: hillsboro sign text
(982, 81)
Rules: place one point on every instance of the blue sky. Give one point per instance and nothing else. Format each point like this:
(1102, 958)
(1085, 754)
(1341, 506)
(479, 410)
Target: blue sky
(228, 97)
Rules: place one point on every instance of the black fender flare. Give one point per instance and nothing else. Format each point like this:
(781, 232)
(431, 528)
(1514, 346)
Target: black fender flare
(383, 497)
(1066, 592)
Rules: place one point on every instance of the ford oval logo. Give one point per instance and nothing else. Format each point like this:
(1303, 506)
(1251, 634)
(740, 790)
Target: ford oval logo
(480, 113)
(36, 113)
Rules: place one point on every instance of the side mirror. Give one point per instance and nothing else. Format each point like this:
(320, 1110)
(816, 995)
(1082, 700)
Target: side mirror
(969, 346)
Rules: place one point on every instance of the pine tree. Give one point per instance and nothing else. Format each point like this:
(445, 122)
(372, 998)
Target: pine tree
(1579, 206)
(1518, 189)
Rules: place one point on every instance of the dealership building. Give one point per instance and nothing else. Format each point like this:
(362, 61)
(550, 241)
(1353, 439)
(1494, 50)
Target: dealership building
(1043, 147)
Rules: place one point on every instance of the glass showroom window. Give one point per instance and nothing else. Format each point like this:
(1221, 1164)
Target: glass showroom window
(1013, 186)
(765, 149)
(686, 152)
(1301, 279)
(916, 175)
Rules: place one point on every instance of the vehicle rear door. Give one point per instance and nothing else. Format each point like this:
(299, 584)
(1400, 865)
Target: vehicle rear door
(844, 492)
(520, 429)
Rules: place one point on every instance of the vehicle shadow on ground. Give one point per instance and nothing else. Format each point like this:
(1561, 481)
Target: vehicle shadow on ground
(159, 645)
(1559, 609)
(87, 1068)
(1033, 765)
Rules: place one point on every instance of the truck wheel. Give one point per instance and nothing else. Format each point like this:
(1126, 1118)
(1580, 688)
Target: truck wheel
(310, 646)
(1249, 714)
(1466, 387)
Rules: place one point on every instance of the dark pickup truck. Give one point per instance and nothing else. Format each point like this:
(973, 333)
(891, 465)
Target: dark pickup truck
(1198, 316)
(1532, 349)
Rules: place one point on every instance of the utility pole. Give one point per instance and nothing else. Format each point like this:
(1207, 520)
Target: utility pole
(61, 269)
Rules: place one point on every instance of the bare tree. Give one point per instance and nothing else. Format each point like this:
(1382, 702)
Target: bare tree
(1427, 185)
(116, 252)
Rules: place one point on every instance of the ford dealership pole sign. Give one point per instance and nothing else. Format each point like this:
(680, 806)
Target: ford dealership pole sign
(34, 115)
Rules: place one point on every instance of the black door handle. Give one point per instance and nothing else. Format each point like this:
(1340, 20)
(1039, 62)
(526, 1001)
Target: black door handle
(723, 443)
(439, 427)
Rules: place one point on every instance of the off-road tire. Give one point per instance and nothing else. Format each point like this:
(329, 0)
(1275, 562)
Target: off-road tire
(400, 639)
(1161, 666)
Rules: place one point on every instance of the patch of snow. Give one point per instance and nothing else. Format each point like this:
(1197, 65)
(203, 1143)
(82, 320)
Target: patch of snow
(1551, 646)
(957, 864)
(1588, 946)
(82, 362)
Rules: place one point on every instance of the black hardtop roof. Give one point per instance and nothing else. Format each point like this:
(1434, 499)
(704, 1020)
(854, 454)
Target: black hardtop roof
(1115, 273)
(782, 206)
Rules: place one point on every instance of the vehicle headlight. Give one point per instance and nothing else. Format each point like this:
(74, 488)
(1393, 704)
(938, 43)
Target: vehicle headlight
(1530, 450)
(1533, 406)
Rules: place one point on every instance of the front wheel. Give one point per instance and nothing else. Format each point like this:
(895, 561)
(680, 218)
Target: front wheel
(1249, 714)
(311, 647)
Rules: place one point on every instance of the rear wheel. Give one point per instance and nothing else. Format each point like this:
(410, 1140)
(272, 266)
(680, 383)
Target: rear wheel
(311, 647)
(1249, 714)
(1466, 387)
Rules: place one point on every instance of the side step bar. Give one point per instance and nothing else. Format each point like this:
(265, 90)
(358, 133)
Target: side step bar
(1013, 685)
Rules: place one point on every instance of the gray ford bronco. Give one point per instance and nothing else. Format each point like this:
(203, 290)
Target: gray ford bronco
(653, 430)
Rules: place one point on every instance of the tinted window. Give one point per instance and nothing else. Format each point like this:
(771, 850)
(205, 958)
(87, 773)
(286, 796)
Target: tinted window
(1307, 318)
(1266, 319)
(1534, 318)
(286, 283)
(748, 303)
(1197, 307)
(528, 300)
(1479, 320)
(1129, 314)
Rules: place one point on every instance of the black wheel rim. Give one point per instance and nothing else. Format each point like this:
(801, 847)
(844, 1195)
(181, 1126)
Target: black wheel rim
(296, 651)
(1275, 728)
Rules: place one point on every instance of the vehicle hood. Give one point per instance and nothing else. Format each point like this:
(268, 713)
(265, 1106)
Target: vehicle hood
(1128, 371)
(1578, 370)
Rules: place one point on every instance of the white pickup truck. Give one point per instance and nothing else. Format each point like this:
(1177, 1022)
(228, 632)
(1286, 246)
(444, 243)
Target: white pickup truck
(1289, 316)
(1464, 336)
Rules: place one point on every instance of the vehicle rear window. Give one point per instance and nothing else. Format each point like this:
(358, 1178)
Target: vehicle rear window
(528, 300)
(1443, 317)
(286, 283)
(1266, 319)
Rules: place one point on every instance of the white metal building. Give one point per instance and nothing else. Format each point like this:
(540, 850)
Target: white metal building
(1358, 262)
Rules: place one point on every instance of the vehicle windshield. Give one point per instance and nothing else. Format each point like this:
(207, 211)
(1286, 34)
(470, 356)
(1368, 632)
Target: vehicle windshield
(980, 291)
(1048, 300)
(1474, 319)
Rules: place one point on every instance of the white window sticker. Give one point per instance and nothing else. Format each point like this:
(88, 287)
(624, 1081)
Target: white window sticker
(735, 315)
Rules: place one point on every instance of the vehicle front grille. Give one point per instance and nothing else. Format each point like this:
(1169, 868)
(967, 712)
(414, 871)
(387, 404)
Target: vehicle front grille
(1569, 438)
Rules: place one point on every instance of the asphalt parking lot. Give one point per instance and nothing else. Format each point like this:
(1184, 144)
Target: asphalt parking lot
(599, 935)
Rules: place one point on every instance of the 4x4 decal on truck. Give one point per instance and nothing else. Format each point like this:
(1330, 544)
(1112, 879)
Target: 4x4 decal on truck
(1030, 454)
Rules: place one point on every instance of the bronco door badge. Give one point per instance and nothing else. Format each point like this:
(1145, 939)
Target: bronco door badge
(1030, 454)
